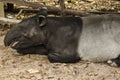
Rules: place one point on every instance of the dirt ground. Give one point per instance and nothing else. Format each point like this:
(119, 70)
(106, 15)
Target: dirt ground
(37, 67)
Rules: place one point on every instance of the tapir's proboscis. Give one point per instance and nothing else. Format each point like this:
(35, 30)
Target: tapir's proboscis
(68, 39)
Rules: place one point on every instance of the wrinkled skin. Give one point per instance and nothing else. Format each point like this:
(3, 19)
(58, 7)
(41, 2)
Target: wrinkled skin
(68, 39)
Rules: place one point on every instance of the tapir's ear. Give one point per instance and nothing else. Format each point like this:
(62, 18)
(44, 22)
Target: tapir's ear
(41, 20)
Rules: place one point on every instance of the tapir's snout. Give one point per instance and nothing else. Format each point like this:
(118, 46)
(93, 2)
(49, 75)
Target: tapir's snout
(6, 41)
(11, 37)
(16, 40)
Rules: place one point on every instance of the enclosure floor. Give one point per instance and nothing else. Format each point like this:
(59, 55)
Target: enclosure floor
(37, 67)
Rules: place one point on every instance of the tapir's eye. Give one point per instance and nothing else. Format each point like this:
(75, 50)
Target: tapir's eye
(25, 35)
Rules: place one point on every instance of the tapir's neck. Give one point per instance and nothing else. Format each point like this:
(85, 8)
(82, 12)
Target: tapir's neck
(64, 31)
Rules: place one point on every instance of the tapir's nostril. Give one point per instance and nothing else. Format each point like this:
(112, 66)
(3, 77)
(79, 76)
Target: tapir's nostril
(6, 43)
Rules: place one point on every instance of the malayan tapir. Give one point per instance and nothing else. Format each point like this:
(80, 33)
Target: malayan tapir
(68, 39)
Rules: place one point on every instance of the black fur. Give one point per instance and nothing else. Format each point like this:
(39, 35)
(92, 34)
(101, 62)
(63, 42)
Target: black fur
(58, 37)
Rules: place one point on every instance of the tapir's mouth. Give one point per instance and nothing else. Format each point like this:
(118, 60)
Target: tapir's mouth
(13, 44)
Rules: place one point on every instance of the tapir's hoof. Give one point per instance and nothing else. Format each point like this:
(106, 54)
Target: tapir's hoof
(112, 63)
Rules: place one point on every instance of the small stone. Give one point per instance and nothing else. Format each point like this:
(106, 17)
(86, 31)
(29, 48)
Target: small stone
(118, 71)
(33, 71)
(109, 61)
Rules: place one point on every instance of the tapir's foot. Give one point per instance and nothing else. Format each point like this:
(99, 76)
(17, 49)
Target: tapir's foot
(114, 62)
(33, 50)
(57, 57)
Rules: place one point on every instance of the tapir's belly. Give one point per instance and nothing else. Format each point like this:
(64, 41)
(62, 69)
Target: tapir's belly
(98, 50)
(98, 44)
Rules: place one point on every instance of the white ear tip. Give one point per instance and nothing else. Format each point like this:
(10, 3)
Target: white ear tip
(44, 8)
(42, 16)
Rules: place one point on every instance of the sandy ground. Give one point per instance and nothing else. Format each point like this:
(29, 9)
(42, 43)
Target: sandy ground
(37, 67)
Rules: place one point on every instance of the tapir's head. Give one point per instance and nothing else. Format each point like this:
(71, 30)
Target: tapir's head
(29, 32)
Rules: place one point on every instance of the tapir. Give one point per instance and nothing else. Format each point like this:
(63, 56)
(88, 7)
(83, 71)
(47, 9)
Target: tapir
(68, 39)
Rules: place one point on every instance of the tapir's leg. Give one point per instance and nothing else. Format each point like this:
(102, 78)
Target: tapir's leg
(33, 50)
(63, 44)
(65, 56)
(63, 49)
(55, 57)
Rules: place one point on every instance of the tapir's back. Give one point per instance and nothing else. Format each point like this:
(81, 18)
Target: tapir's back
(100, 38)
